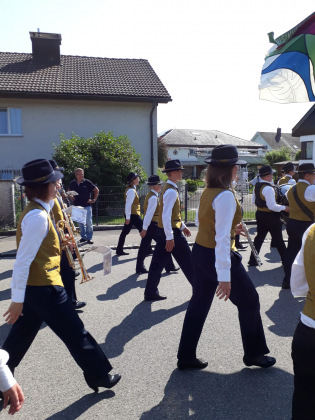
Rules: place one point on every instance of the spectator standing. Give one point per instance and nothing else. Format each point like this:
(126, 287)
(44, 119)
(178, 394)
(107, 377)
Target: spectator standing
(84, 188)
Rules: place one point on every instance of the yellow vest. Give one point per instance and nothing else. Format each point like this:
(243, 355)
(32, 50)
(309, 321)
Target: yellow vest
(295, 211)
(206, 215)
(263, 198)
(309, 258)
(57, 212)
(176, 218)
(284, 180)
(135, 206)
(155, 217)
(45, 268)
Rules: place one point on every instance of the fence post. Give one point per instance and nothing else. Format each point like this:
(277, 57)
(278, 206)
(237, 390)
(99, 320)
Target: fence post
(186, 201)
(22, 198)
(13, 204)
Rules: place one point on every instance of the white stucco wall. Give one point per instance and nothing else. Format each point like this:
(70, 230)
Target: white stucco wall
(44, 120)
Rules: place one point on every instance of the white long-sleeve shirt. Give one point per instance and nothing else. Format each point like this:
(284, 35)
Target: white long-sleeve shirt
(6, 378)
(298, 281)
(152, 203)
(34, 228)
(169, 198)
(130, 196)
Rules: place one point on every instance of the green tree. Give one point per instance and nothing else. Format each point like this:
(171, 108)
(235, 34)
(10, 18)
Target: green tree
(278, 155)
(162, 152)
(106, 160)
(298, 155)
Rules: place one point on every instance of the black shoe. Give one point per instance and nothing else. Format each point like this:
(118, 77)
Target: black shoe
(122, 253)
(192, 364)
(241, 246)
(108, 382)
(142, 270)
(82, 240)
(260, 361)
(90, 242)
(286, 285)
(172, 269)
(154, 297)
(77, 273)
(79, 305)
(252, 263)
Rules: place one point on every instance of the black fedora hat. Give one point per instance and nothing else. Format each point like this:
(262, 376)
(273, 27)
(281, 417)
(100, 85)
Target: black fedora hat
(154, 180)
(266, 170)
(55, 165)
(173, 165)
(38, 171)
(131, 177)
(288, 167)
(306, 168)
(224, 154)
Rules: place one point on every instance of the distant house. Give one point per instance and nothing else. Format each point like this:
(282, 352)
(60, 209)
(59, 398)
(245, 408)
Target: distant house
(44, 94)
(277, 140)
(305, 129)
(192, 146)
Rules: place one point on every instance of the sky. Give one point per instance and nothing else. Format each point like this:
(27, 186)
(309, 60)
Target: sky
(208, 54)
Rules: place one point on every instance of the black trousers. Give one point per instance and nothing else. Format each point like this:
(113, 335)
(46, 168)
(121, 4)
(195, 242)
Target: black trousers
(136, 221)
(243, 295)
(145, 246)
(303, 351)
(295, 229)
(182, 254)
(68, 277)
(269, 222)
(50, 304)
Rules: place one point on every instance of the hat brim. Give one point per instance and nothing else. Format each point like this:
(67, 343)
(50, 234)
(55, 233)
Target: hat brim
(155, 183)
(54, 176)
(136, 176)
(209, 161)
(309, 171)
(173, 169)
(268, 173)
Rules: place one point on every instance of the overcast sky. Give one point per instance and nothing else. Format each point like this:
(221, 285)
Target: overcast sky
(207, 53)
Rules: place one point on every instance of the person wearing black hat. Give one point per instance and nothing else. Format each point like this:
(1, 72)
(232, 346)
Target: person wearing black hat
(288, 170)
(267, 214)
(218, 269)
(66, 271)
(37, 291)
(170, 233)
(150, 229)
(301, 199)
(84, 187)
(132, 211)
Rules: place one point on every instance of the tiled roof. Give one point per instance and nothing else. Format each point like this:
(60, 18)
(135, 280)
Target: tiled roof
(286, 140)
(84, 77)
(202, 138)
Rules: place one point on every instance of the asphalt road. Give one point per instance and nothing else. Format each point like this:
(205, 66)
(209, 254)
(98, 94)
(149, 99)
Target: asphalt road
(141, 339)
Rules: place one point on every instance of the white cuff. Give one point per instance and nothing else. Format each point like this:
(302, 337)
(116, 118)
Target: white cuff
(6, 379)
(224, 275)
(17, 295)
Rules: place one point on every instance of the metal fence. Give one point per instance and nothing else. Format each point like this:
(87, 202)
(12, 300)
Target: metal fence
(109, 208)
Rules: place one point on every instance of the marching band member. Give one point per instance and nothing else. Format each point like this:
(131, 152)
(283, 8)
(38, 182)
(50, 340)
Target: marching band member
(267, 214)
(170, 234)
(11, 391)
(303, 344)
(218, 268)
(302, 214)
(150, 229)
(288, 172)
(37, 290)
(132, 211)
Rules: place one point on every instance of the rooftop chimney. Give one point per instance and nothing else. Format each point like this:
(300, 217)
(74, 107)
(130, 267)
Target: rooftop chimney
(46, 47)
(278, 135)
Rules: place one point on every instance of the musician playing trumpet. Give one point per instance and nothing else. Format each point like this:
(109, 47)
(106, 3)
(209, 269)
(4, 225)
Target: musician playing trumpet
(37, 290)
(218, 269)
(66, 271)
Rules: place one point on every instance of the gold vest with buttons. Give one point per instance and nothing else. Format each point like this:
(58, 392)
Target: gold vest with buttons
(295, 210)
(45, 268)
(155, 217)
(206, 216)
(57, 212)
(176, 218)
(135, 206)
(309, 258)
(284, 180)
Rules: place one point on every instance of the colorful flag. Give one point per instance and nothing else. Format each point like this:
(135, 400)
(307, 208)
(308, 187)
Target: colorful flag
(288, 73)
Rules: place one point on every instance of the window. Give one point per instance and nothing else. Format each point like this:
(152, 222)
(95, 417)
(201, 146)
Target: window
(306, 150)
(10, 121)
